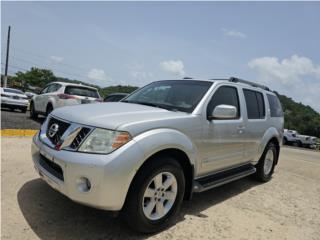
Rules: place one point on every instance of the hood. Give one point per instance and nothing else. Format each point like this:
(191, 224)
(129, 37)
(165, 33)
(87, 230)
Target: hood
(112, 115)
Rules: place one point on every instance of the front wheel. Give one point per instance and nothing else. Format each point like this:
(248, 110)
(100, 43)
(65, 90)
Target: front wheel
(155, 196)
(267, 162)
(33, 113)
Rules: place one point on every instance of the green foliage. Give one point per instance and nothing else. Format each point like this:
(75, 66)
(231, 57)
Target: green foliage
(300, 117)
(116, 89)
(35, 77)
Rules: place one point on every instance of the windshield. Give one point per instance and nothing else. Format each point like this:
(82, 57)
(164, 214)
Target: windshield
(81, 91)
(174, 95)
(10, 90)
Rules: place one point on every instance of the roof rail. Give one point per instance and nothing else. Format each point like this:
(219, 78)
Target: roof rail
(187, 78)
(253, 84)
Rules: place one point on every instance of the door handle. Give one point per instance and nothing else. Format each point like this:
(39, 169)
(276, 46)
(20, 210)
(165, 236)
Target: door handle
(241, 129)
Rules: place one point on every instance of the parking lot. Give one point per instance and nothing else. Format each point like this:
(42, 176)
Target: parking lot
(18, 120)
(287, 207)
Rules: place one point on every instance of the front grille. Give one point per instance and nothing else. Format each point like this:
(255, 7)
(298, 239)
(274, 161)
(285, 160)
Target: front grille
(62, 127)
(53, 168)
(79, 138)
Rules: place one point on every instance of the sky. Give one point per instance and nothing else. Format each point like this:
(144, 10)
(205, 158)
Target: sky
(134, 43)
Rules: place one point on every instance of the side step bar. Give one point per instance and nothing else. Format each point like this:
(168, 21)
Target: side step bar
(218, 179)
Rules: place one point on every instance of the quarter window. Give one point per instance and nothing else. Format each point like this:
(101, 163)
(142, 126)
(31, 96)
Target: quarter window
(224, 95)
(275, 106)
(255, 104)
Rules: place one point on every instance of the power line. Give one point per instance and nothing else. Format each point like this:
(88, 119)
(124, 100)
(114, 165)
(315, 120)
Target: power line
(48, 60)
(53, 67)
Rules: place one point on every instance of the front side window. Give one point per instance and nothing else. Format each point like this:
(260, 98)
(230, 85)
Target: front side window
(254, 103)
(275, 106)
(174, 95)
(224, 95)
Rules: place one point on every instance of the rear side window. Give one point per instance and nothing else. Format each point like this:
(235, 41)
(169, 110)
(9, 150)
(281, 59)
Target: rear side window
(224, 95)
(81, 91)
(275, 106)
(255, 104)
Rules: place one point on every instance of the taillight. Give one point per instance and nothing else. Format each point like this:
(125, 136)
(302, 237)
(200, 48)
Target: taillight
(66, 96)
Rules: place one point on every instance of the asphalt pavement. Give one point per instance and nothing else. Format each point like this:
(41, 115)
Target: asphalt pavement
(18, 120)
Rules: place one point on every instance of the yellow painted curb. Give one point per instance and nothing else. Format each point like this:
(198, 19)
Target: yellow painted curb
(18, 132)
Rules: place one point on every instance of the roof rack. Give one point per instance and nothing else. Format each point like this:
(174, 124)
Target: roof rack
(253, 84)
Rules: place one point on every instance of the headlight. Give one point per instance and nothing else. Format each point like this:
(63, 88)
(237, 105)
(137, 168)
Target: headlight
(104, 141)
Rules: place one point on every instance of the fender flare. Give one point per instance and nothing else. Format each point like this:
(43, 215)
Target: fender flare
(156, 140)
(271, 132)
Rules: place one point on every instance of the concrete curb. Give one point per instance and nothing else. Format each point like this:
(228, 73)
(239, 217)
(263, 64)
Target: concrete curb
(18, 132)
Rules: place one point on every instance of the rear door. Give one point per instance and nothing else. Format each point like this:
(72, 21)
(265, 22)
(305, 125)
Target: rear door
(256, 121)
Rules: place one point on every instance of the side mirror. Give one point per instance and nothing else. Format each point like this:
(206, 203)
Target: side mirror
(224, 112)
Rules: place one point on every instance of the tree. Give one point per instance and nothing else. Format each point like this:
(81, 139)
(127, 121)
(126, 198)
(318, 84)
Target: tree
(35, 77)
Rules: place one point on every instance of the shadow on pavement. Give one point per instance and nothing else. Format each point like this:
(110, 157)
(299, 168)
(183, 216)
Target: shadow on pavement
(53, 216)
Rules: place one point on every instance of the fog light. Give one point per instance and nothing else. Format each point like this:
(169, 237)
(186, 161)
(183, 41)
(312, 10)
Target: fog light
(83, 184)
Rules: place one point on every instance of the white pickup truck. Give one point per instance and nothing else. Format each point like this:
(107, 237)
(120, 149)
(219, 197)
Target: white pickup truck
(292, 137)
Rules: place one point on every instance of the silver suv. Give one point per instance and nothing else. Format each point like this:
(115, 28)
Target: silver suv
(143, 155)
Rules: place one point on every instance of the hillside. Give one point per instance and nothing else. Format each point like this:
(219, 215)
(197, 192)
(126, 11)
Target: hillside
(297, 116)
(300, 117)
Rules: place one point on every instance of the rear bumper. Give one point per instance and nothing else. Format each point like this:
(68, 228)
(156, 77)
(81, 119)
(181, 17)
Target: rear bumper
(5, 102)
(109, 175)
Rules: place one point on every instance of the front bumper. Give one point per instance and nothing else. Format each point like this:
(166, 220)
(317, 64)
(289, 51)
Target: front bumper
(110, 175)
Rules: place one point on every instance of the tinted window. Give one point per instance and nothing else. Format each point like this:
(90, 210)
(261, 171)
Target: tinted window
(53, 88)
(175, 95)
(81, 91)
(255, 104)
(224, 95)
(9, 90)
(275, 106)
(44, 90)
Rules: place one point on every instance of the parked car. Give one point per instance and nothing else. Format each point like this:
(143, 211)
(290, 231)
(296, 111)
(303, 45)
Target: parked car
(115, 97)
(290, 137)
(59, 94)
(143, 155)
(14, 99)
(306, 141)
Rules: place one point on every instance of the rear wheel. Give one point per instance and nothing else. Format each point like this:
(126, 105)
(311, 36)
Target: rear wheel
(267, 162)
(33, 113)
(155, 196)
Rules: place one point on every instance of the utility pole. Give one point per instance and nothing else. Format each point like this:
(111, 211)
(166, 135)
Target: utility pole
(7, 59)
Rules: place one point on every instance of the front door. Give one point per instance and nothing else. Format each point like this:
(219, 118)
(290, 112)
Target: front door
(223, 138)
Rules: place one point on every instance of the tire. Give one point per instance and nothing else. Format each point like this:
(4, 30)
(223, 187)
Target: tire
(300, 144)
(23, 110)
(33, 113)
(285, 141)
(49, 109)
(265, 166)
(135, 212)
